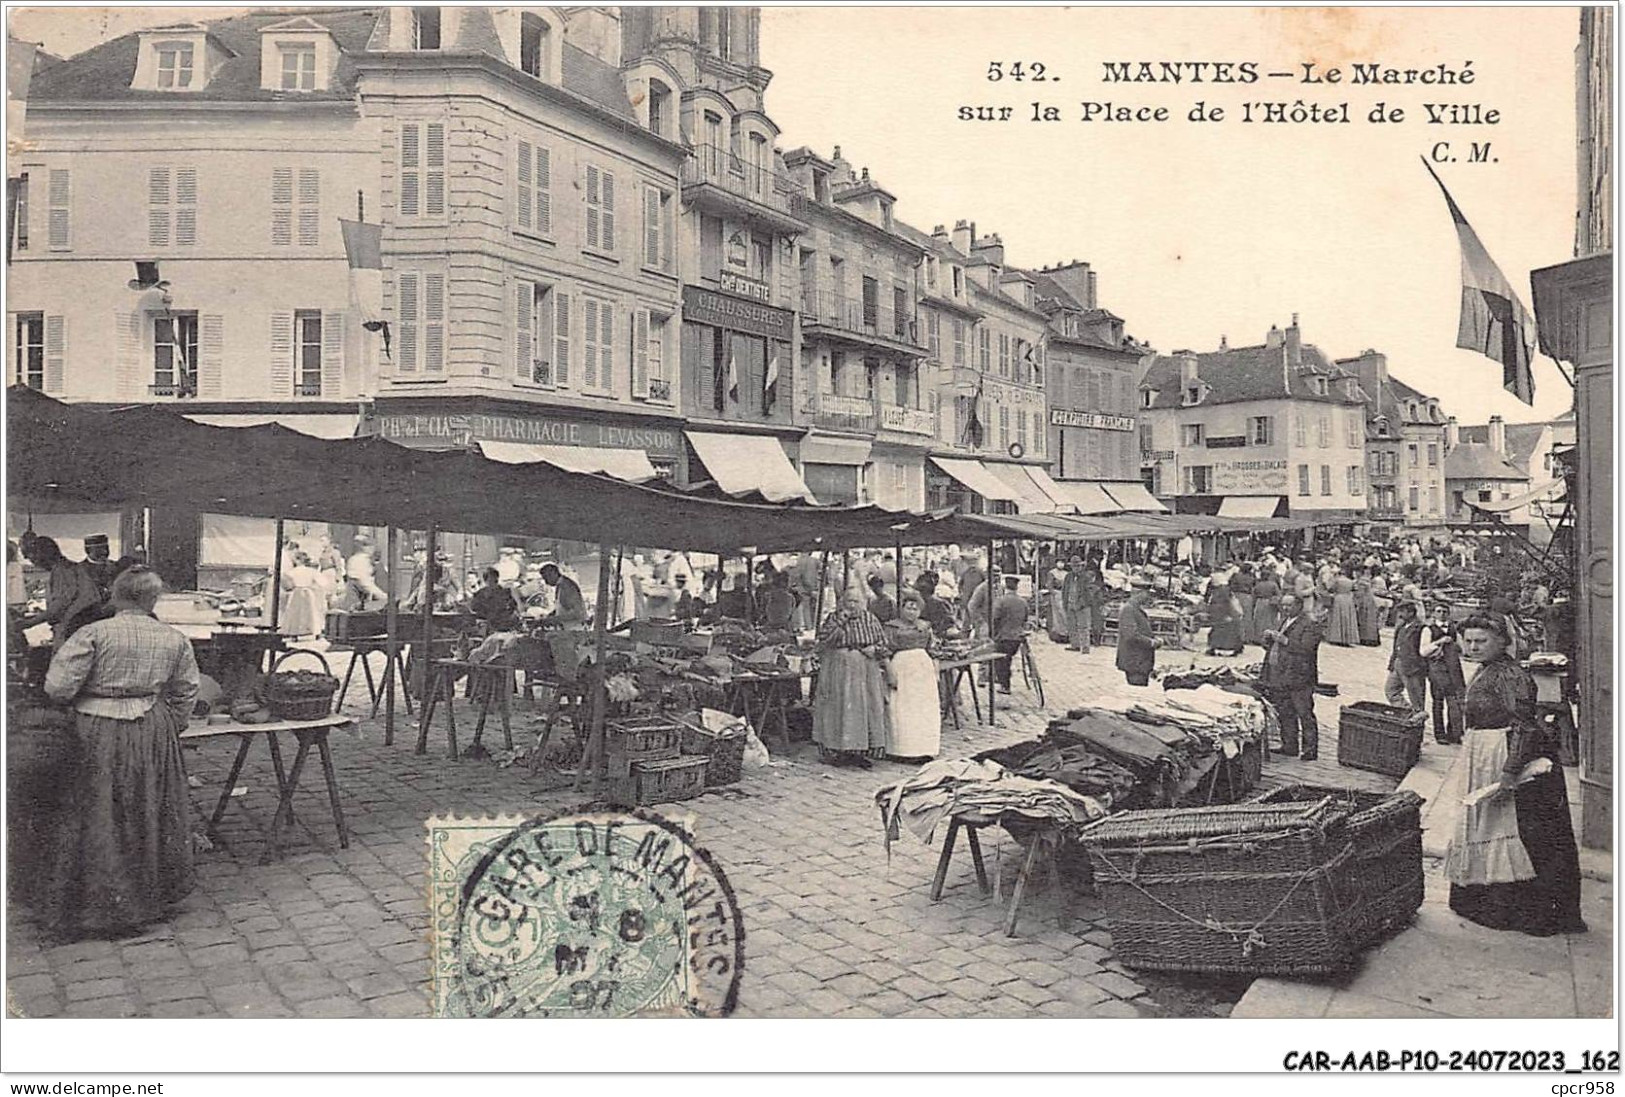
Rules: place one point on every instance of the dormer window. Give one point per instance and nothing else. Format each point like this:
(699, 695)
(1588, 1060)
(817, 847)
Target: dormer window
(659, 104)
(1148, 398)
(174, 64)
(298, 66)
(533, 51)
(1322, 386)
(959, 282)
(1193, 394)
(425, 28)
(820, 185)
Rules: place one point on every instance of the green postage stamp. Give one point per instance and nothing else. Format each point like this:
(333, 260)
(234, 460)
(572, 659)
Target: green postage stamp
(593, 913)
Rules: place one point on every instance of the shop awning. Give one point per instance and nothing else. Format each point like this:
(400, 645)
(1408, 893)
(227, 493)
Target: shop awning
(975, 475)
(342, 425)
(1030, 498)
(1551, 491)
(1133, 497)
(1083, 496)
(821, 449)
(745, 464)
(631, 465)
(1051, 490)
(1248, 506)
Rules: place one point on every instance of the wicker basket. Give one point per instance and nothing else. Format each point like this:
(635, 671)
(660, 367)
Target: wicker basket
(724, 749)
(660, 782)
(1379, 738)
(1256, 889)
(300, 699)
(640, 739)
(1385, 872)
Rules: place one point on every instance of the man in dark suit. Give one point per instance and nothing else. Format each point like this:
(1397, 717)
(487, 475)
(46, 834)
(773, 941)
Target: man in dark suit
(1407, 684)
(1291, 670)
(1136, 647)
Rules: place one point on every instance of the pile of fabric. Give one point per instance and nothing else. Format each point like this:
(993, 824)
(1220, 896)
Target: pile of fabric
(1223, 676)
(983, 790)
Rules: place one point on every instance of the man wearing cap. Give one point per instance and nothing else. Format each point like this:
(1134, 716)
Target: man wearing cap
(1291, 672)
(1075, 604)
(1009, 626)
(1407, 685)
(571, 611)
(1136, 646)
(98, 564)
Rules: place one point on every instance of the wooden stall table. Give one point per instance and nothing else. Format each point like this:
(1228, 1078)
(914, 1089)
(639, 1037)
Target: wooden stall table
(952, 672)
(362, 648)
(443, 675)
(234, 658)
(309, 733)
(972, 825)
(763, 701)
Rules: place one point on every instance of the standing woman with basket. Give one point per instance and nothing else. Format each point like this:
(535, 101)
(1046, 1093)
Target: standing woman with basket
(125, 850)
(849, 709)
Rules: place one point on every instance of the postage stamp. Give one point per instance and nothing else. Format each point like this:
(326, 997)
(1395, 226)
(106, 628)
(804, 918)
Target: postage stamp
(591, 913)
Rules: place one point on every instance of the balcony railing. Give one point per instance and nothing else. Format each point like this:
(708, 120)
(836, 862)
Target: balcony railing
(722, 168)
(844, 412)
(660, 390)
(183, 388)
(849, 314)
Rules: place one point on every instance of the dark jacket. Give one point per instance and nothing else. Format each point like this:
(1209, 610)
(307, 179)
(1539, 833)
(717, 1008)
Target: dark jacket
(1407, 654)
(1136, 649)
(1294, 662)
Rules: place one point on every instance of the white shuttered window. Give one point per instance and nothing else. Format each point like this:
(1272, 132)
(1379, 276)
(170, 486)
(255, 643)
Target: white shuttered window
(600, 209)
(421, 311)
(533, 190)
(598, 339)
(171, 207)
(423, 170)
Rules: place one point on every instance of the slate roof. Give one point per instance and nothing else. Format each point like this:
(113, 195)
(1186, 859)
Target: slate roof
(1477, 461)
(1249, 373)
(103, 73)
(1522, 438)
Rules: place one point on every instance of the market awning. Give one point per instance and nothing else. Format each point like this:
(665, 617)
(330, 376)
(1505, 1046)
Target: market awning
(631, 465)
(974, 475)
(1248, 506)
(823, 449)
(1550, 492)
(1083, 496)
(1051, 490)
(742, 464)
(342, 425)
(1030, 498)
(1133, 497)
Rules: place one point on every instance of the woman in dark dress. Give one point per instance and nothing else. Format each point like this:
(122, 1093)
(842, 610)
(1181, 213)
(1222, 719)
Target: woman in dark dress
(1224, 635)
(849, 707)
(1502, 695)
(1242, 584)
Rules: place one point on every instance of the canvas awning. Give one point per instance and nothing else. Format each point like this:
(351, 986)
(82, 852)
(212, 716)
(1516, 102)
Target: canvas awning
(1550, 492)
(631, 465)
(975, 475)
(1050, 489)
(1030, 498)
(1248, 506)
(341, 425)
(1133, 497)
(822, 449)
(1083, 496)
(743, 464)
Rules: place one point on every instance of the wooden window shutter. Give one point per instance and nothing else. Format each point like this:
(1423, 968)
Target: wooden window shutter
(282, 354)
(434, 323)
(523, 186)
(606, 343)
(640, 353)
(56, 352)
(210, 355)
(128, 369)
(524, 345)
(411, 181)
(281, 207)
(310, 207)
(434, 170)
(589, 365)
(60, 199)
(333, 333)
(158, 207)
(407, 306)
(544, 191)
(592, 206)
(651, 226)
(561, 337)
(606, 218)
(186, 206)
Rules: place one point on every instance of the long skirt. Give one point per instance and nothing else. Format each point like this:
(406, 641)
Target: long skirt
(1265, 616)
(915, 730)
(304, 612)
(1249, 626)
(125, 850)
(1550, 902)
(1369, 618)
(1225, 633)
(1343, 628)
(849, 712)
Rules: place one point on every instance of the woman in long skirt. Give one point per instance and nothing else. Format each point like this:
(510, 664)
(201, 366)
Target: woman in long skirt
(1224, 617)
(1243, 584)
(1514, 863)
(1366, 612)
(1343, 629)
(1266, 604)
(849, 712)
(915, 727)
(125, 850)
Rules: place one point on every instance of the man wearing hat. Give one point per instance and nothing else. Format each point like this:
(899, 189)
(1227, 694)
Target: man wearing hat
(1009, 627)
(1136, 646)
(1407, 685)
(1075, 604)
(99, 565)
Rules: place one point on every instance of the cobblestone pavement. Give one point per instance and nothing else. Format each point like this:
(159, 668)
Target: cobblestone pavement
(834, 928)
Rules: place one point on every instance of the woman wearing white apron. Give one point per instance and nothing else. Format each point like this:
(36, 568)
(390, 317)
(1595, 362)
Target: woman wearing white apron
(914, 729)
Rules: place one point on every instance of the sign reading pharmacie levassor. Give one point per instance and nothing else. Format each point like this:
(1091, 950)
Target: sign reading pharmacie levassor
(433, 430)
(707, 306)
(1092, 420)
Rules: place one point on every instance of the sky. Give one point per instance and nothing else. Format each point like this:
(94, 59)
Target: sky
(1197, 230)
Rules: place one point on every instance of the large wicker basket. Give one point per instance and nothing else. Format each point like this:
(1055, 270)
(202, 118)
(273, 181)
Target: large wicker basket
(1378, 737)
(300, 698)
(1257, 889)
(1385, 873)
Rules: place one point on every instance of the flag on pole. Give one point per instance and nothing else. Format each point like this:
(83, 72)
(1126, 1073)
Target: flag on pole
(363, 248)
(733, 374)
(1494, 321)
(973, 420)
(770, 389)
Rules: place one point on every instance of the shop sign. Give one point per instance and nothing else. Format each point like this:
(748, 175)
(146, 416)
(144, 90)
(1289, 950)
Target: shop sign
(1158, 455)
(907, 420)
(1235, 441)
(1092, 420)
(430, 430)
(705, 306)
(740, 286)
(1249, 477)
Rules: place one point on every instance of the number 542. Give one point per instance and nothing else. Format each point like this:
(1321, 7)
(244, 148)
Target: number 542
(1016, 70)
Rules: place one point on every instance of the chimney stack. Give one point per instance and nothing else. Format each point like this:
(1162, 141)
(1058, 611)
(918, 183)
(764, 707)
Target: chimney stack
(1224, 342)
(964, 236)
(1187, 368)
(1498, 435)
(1294, 345)
(1092, 302)
(1452, 434)
(1274, 338)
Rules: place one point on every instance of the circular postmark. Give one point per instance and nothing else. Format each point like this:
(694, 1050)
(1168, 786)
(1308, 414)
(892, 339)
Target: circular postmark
(611, 913)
